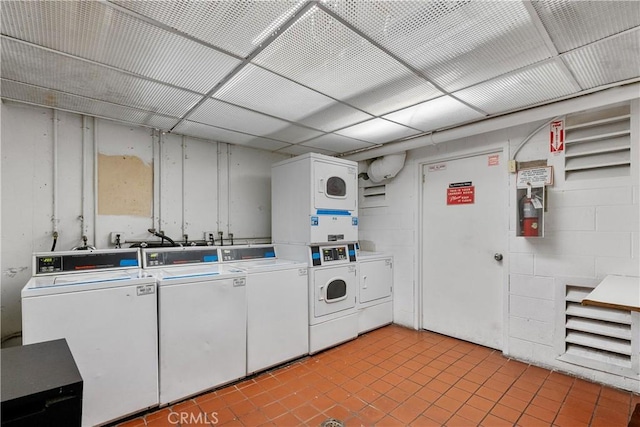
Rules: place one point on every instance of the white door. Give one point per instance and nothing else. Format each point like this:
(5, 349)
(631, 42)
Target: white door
(463, 231)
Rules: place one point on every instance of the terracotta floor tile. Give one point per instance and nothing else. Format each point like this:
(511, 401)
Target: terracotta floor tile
(338, 394)
(242, 408)
(322, 402)
(448, 403)
(529, 421)
(518, 393)
(437, 414)
(475, 378)
(392, 378)
(467, 385)
(354, 403)
(262, 399)
(366, 378)
(368, 395)
(381, 386)
(292, 401)
(428, 395)
(423, 421)
(413, 365)
(390, 421)
(287, 420)
(618, 405)
(513, 403)
(567, 421)
(489, 393)
(254, 418)
(305, 412)
(409, 386)
(447, 378)
(163, 413)
(493, 421)
(136, 422)
(398, 394)
(352, 386)
(458, 394)
(472, 414)
(481, 403)
(385, 404)
(612, 415)
(437, 385)
(274, 410)
(552, 405)
(372, 414)
(458, 421)
(541, 413)
(613, 394)
(506, 413)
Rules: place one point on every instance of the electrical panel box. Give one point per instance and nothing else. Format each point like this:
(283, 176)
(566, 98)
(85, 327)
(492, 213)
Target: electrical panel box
(531, 207)
(314, 199)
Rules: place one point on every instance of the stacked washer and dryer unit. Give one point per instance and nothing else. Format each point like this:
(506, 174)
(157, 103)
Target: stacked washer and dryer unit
(314, 219)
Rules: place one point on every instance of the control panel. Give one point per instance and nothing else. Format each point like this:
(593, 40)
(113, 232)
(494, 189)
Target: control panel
(247, 253)
(338, 254)
(77, 261)
(178, 256)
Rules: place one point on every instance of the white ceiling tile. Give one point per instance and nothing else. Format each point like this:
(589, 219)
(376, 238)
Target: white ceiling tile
(108, 36)
(539, 83)
(435, 114)
(320, 52)
(65, 101)
(294, 134)
(27, 63)
(572, 24)
(609, 61)
(335, 116)
(337, 143)
(262, 90)
(236, 26)
(454, 43)
(377, 131)
(213, 133)
(217, 113)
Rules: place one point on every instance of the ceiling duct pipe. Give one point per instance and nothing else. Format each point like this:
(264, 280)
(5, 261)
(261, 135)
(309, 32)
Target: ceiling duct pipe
(386, 167)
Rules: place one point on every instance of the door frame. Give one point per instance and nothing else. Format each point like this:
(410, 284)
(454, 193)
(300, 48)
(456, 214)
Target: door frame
(503, 149)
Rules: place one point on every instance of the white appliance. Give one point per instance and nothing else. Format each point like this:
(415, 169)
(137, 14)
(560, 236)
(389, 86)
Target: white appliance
(333, 285)
(375, 290)
(202, 320)
(277, 305)
(105, 307)
(314, 199)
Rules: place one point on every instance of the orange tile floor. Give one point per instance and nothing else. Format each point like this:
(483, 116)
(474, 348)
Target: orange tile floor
(397, 377)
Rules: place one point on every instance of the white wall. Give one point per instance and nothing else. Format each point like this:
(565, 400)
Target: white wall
(591, 231)
(197, 185)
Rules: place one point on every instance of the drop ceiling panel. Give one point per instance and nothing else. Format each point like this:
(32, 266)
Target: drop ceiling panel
(435, 114)
(320, 52)
(572, 24)
(337, 143)
(41, 67)
(297, 150)
(539, 83)
(262, 90)
(92, 30)
(294, 134)
(64, 101)
(236, 26)
(609, 61)
(335, 116)
(212, 133)
(454, 43)
(377, 131)
(217, 113)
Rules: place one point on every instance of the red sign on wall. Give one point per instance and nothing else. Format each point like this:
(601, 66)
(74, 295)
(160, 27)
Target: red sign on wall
(461, 195)
(556, 141)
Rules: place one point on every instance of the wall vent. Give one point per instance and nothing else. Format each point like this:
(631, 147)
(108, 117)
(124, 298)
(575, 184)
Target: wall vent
(373, 196)
(598, 144)
(596, 337)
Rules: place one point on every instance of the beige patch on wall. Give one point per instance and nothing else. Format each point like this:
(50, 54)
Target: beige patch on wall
(125, 186)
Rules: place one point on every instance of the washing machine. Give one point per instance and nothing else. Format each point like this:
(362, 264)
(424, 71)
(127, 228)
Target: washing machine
(314, 200)
(102, 303)
(375, 290)
(202, 320)
(333, 287)
(277, 305)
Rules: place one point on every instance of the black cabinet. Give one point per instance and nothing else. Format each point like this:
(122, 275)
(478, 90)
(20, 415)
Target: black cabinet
(41, 386)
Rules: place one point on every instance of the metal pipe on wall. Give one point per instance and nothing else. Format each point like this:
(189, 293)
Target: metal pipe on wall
(95, 181)
(184, 154)
(54, 184)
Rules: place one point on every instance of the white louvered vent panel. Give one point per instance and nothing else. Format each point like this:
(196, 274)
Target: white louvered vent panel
(541, 82)
(64, 101)
(29, 64)
(598, 144)
(373, 196)
(320, 52)
(236, 26)
(455, 43)
(108, 36)
(596, 337)
(612, 60)
(572, 24)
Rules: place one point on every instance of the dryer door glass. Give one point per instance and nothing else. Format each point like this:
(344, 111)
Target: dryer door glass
(336, 187)
(336, 290)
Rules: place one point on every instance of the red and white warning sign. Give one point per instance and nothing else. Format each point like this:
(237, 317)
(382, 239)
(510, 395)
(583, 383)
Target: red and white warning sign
(461, 193)
(556, 142)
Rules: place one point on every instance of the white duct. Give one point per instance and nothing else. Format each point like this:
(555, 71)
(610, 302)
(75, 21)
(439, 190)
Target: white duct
(386, 167)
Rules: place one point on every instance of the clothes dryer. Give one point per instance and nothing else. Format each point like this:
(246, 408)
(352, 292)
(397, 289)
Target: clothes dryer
(314, 200)
(333, 286)
(277, 305)
(105, 307)
(375, 290)
(202, 320)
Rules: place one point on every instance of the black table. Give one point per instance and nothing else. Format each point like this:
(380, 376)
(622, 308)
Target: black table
(41, 386)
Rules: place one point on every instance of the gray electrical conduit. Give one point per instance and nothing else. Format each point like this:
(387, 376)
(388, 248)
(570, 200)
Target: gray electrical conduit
(531, 135)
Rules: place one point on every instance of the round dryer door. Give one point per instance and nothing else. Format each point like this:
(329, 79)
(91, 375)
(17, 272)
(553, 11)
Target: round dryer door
(334, 289)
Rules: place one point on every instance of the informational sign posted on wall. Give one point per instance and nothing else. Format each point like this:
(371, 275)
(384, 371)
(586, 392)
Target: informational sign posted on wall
(461, 193)
(534, 177)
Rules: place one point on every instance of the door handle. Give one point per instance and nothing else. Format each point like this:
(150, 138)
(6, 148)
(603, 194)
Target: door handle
(497, 256)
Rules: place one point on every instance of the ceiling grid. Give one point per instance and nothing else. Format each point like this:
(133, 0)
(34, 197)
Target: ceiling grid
(294, 76)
